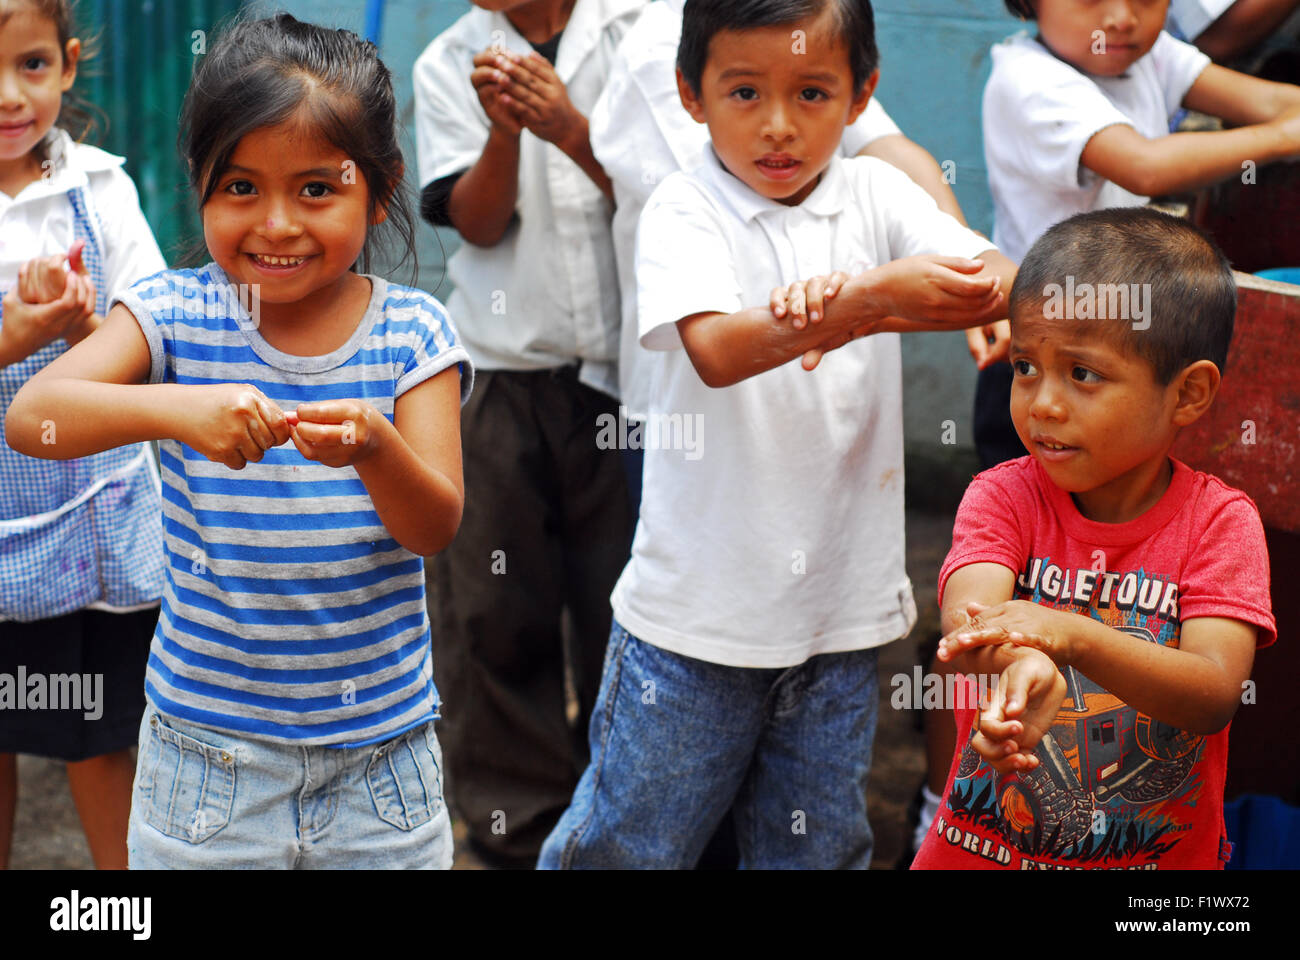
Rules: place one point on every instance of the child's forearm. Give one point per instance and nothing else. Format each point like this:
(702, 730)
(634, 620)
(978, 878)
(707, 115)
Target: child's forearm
(1178, 162)
(728, 348)
(482, 202)
(578, 148)
(63, 419)
(418, 504)
(1181, 688)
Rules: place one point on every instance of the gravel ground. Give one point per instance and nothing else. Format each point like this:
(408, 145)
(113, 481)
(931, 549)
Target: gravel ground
(47, 833)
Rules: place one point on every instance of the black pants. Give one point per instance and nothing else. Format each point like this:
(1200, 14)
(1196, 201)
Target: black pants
(996, 439)
(524, 586)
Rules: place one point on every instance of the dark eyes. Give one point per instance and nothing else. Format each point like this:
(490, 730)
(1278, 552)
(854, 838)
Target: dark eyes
(35, 63)
(1024, 368)
(809, 94)
(314, 190)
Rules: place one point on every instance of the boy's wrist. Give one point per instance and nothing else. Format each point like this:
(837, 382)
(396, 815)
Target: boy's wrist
(862, 304)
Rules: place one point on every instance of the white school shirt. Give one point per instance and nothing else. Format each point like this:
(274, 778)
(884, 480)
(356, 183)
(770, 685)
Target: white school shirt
(39, 221)
(772, 531)
(546, 295)
(1040, 113)
(640, 133)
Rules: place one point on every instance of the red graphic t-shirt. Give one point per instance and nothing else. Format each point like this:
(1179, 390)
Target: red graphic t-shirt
(1114, 788)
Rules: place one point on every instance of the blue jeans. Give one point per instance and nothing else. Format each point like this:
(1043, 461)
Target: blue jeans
(205, 799)
(677, 741)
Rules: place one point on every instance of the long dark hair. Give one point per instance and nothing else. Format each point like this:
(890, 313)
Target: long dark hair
(260, 73)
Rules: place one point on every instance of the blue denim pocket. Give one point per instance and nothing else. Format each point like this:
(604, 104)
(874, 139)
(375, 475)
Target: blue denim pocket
(405, 779)
(186, 786)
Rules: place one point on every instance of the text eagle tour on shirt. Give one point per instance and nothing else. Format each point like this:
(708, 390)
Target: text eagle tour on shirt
(1127, 591)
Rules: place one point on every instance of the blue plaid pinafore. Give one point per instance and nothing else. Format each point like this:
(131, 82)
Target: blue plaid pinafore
(76, 532)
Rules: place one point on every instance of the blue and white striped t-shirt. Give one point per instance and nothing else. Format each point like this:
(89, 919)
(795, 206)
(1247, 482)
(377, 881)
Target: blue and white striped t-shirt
(289, 613)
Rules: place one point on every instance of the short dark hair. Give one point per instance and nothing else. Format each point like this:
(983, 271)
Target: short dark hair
(1190, 291)
(260, 73)
(855, 24)
(1024, 9)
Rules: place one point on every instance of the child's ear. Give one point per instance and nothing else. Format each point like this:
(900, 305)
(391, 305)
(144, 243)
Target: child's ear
(71, 54)
(380, 213)
(1197, 384)
(689, 99)
(863, 96)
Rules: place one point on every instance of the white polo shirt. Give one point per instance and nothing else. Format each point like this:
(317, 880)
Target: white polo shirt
(1039, 114)
(546, 295)
(776, 533)
(640, 133)
(39, 221)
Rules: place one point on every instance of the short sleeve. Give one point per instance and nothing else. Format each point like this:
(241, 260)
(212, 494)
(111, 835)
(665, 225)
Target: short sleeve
(684, 263)
(871, 126)
(990, 525)
(1177, 65)
(451, 127)
(1043, 113)
(1227, 573)
(155, 302)
(132, 252)
(434, 344)
(913, 222)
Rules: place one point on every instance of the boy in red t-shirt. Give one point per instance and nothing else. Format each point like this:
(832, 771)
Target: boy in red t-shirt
(1115, 596)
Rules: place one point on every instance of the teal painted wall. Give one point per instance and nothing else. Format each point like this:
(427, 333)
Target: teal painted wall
(137, 80)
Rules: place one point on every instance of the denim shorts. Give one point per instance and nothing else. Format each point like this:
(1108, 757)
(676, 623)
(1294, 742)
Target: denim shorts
(206, 799)
(676, 742)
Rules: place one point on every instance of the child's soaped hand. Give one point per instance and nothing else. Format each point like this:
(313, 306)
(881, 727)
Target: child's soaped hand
(45, 279)
(804, 301)
(337, 433)
(231, 423)
(1021, 709)
(490, 83)
(939, 289)
(541, 100)
(989, 344)
(1019, 622)
(28, 326)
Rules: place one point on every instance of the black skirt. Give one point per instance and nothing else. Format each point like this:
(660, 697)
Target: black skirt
(72, 687)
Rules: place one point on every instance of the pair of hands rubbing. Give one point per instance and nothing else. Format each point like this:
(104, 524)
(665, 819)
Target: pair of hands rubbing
(1030, 690)
(941, 289)
(236, 424)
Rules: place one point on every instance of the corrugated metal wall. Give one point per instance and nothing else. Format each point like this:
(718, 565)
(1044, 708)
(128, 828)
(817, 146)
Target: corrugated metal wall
(145, 52)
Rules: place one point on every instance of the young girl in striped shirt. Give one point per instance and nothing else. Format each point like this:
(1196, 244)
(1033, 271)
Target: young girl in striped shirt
(290, 684)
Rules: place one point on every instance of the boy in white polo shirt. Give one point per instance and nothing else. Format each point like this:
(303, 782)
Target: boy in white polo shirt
(768, 560)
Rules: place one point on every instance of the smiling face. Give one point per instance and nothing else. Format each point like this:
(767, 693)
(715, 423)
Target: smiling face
(290, 212)
(1101, 37)
(1093, 415)
(35, 71)
(776, 101)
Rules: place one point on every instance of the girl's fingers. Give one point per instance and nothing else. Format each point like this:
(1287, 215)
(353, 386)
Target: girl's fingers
(812, 358)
